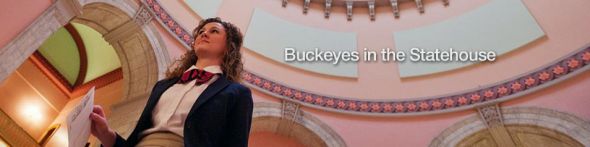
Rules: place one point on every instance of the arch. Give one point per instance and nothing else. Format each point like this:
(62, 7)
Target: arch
(520, 118)
(527, 135)
(141, 51)
(143, 57)
(278, 126)
(269, 116)
(126, 25)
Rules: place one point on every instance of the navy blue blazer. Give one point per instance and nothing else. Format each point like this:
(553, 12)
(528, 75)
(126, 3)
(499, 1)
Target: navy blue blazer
(221, 116)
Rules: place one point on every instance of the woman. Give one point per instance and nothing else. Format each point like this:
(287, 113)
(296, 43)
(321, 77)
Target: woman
(200, 103)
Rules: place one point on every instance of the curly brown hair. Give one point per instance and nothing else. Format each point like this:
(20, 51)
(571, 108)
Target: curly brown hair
(232, 59)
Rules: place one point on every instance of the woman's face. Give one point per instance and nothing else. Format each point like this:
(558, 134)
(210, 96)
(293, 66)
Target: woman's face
(210, 41)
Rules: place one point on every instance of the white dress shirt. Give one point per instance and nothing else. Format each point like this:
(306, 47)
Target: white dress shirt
(176, 102)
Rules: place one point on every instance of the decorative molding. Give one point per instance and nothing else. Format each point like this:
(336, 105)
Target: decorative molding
(420, 6)
(555, 72)
(327, 8)
(349, 10)
(306, 6)
(371, 10)
(568, 66)
(568, 124)
(372, 4)
(494, 93)
(395, 8)
(173, 27)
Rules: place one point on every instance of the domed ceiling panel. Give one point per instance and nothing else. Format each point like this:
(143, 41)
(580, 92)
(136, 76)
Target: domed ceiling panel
(269, 36)
(442, 98)
(60, 50)
(500, 26)
(102, 57)
(204, 8)
(76, 57)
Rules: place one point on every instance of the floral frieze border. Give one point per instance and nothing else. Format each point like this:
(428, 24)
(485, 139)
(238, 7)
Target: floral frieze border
(566, 67)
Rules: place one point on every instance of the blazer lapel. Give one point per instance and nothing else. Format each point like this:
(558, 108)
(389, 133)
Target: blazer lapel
(209, 92)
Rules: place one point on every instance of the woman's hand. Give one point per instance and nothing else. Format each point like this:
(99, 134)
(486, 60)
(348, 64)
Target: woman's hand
(100, 129)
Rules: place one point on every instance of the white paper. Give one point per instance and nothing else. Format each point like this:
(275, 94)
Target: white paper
(78, 121)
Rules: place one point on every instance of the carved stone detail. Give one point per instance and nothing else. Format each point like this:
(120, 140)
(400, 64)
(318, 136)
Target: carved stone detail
(491, 115)
(143, 16)
(349, 10)
(371, 10)
(290, 111)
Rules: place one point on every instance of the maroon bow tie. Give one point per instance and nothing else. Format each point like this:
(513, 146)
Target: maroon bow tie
(201, 76)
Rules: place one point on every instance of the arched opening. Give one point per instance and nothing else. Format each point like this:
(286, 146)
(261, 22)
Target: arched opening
(268, 131)
(136, 50)
(139, 64)
(297, 129)
(55, 90)
(525, 126)
(527, 136)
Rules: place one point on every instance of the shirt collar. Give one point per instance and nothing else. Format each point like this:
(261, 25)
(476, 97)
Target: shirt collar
(216, 69)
